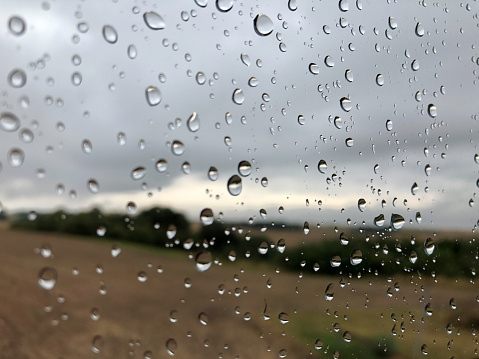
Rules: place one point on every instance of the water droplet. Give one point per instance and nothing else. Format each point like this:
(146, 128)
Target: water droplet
(415, 65)
(419, 29)
(234, 185)
(17, 25)
(178, 148)
(328, 293)
(15, 157)
(121, 138)
(153, 20)
(32, 215)
(335, 261)
(318, 344)
(414, 189)
(47, 278)
(428, 309)
(213, 174)
(171, 346)
(380, 80)
(200, 78)
(347, 337)
(232, 255)
(206, 217)
(413, 257)
(283, 318)
(263, 248)
(131, 207)
(379, 220)
(245, 59)
(86, 146)
(93, 186)
(132, 52)
(322, 166)
(393, 24)
(344, 5)
(109, 34)
(142, 277)
(281, 245)
(427, 169)
(424, 349)
(171, 231)
(348, 74)
(293, 5)
(314, 68)
(397, 221)
(203, 318)
(46, 251)
(162, 165)
(203, 261)
(115, 250)
(349, 142)
(432, 110)
(138, 173)
(283, 353)
(362, 204)
(328, 60)
(345, 103)
(343, 239)
(186, 168)
(201, 3)
(17, 78)
(76, 79)
(264, 182)
(153, 95)
(238, 96)
(306, 227)
(9, 122)
(429, 246)
(224, 5)
(263, 25)
(244, 168)
(193, 122)
(356, 257)
(101, 231)
(97, 344)
(452, 303)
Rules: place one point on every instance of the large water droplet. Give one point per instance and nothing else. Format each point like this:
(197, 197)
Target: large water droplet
(206, 217)
(201, 3)
(109, 34)
(283, 318)
(419, 29)
(153, 20)
(162, 165)
(329, 62)
(429, 246)
(349, 142)
(9, 122)
(153, 95)
(132, 52)
(393, 24)
(263, 25)
(413, 257)
(97, 344)
(397, 221)
(346, 104)
(335, 261)
(314, 68)
(186, 168)
(213, 174)
(15, 157)
(17, 26)
(224, 5)
(362, 204)
(234, 185)
(432, 110)
(344, 5)
(47, 278)
(93, 186)
(293, 5)
(238, 96)
(380, 80)
(193, 122)
(138, 173)
(322, 166)
(178, 148)
(424, 349)
(414, 189)
(203, 261)
(171, 346)
(318, 344)
(263, 248)
(86, 146)
(415, 65)
(17, 78)
(131, 207)
(244, 168)
(281, 245)
(356, 257)
(379, 220)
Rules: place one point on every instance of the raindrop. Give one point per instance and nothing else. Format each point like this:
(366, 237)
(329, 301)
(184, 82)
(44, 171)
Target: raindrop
(362, 204)
(141, 276)
(293, 5)
(193, 122)
(17, 25)
(328, 60)
(101, 231)
(9, 122)
(245, 59)
(429, 246)
(162, 165)
(347, 337)
(201, 3)
(203, 261)
(131, 207)
(93, 186)
(413, 257)
(203, 318)
(343, 239)
(427, 169)
(232, 255)
(32, 215)
(392, 23)
(153, 20)
(238, 96)
(200, 78)
(171, 231)
(335, 261)
(344, 5)
(186, 167)
(47, 278)
(313, 68)
(46, 251)
(428, 309)
(397, 221)
(263, 248)
(206, 217)
(121, 138)
(379, 220)
(224, 5)
(281, 246)
(389, 125)
(76, 79)
(15, 157)
(115, 250)
(452, 303)
(338, 122)
(253, 82)
(318, 344)
(138, 173)
(322, 166)
(171, 346)
(109, 34)
(263, 25)
(349, 142)
(301, 120)
(86, 146)
(432, 110)
(424, 349)
(328, 293)
(234, 185)
(244, 168)
(345, 103)
(283, 353)
(415, 65)
(306, 227)
(213, 174)
(414, 188)
(178, 148)
(420, 29)
(153, 95)
(17, 78)
(348, 74)
(264, 182)
(97, 344)
(283, 318)
(380, 80)
(356, 257)
(26, 135)
(132, 52)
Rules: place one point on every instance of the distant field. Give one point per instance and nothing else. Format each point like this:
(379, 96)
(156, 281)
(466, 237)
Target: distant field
(135, 317)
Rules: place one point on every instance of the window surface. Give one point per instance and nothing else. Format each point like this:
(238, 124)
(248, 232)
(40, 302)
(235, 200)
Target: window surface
(239, 179)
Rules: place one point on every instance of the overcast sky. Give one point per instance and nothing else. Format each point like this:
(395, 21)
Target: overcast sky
(379, 39)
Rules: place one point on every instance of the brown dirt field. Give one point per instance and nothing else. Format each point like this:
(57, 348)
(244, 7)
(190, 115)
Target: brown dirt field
(135, 316)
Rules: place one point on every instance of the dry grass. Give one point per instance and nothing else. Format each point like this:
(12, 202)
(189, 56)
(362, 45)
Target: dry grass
(135, 316)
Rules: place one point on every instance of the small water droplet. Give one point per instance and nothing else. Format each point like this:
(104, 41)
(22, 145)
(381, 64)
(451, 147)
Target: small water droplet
(101, 231)
(171, 231)
(293, 5)
(153, 95)
(380, 80)
(244, 168)
(348, 74)
(344, 5)
(329, 62)
(318, 344)
(178, 148)
(314, 68)
(171, 346)
(234, 185)
(346, 104)
(238, 96)
(263, 248)
(283, 318)
(306, 227)
(263, 25)
(17, 78)
(213, 174)
(186, 168)
(162, 165)
(132, 52)
(397, 221)
(131, 207)
(356, 257)
(86, 146)
(47, 278)
(347, 337)
(429, 246)
(203, 261)
(121, 138)
(115, 250)
(362, 204)
(322, 166)
(153, 20)
(264, 182)
(424, 349)
(15, 157)
(414, 189)
(335, 261)
(138, 173)
(193, 122)
(452, 303)
(281, 245)
(200, 78)
(97, 344)
(415, 65)
(206, 217)
(245, 59)
(432, 110)
(9, 122)
(142, 277)
(349, 142)
(93, 186)
(392, 23)
(17, 26)
(224, 5)
(420, 29)
(109, 34)
(379, 220)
